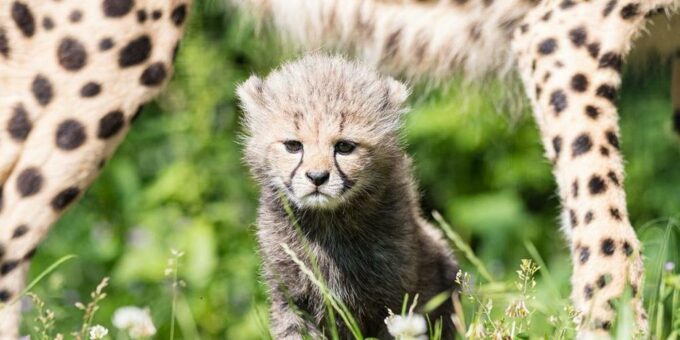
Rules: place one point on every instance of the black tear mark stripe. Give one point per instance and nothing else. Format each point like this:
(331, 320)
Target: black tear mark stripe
(292, 173)
(347, 184)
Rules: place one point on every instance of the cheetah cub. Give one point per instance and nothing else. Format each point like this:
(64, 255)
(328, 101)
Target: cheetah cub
(322, 138)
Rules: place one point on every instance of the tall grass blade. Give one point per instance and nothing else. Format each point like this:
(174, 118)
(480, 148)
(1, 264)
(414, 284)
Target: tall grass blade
(462, 246)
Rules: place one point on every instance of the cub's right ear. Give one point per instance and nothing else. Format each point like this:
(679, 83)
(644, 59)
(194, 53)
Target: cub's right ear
(251, 95)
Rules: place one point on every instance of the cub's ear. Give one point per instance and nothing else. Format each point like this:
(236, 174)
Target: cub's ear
(251, 95)
(397, 93)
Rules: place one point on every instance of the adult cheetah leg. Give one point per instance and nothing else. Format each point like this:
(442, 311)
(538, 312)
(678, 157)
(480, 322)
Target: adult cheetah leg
(570, 56)
(72, 76)
(675, 92)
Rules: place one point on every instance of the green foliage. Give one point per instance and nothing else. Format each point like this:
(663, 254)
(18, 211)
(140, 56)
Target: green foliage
(178, 182)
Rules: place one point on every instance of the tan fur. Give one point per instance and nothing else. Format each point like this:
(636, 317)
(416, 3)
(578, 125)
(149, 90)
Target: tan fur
(572, 81)
(64, 135)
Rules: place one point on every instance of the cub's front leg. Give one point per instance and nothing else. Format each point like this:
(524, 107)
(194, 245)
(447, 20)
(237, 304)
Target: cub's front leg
(289, 322)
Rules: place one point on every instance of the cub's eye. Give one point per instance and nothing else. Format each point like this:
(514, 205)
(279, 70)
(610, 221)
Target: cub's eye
(344, 147)
(293, 146)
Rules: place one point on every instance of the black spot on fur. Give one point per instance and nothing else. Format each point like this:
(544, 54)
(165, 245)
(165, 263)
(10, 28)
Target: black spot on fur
(19, 125)
(71, 54)
(573, 218)
(547, 15)
(5, 295)
(612, 177)
(604, 151)
(179, 14)
(611, 60)
(64, 198)
(608, 247)
(593, 49)
(117, 8)
(615, 213)
(627, 249)
(612, 139)
(574, 188)
(607, 91)
(584, 255)
(609, 8)
(558, 100)
(110, 124)
(48, 23)
(547, 46)
(579, 82)
(588, 218)
(630, 11)
(141, 16)
(157, 14)
(23, 18)
(597, 185)
(70, 135)
(592, 111)
(588, 292)
(4, 43)
(75, 16)
(105, 44)
(582, 144)
(578, 36)
(557, 145)
(8, 266)
(20, 231)
(42, 90)
(90, 89)
(30, 254)
(605, 325)
(153, 75)
(566, 4)
(135, 52)
(29, 182)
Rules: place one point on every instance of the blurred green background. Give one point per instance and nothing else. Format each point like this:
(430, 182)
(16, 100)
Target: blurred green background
(177, 182)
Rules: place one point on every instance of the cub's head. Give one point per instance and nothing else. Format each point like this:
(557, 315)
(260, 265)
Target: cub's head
(322, 129)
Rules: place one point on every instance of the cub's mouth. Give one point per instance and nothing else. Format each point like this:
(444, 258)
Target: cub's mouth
(318, 199)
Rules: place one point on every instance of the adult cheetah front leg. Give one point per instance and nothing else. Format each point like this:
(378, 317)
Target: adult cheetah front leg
(570, 56)
(72, 76)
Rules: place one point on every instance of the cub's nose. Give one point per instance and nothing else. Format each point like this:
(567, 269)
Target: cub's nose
(318, 177)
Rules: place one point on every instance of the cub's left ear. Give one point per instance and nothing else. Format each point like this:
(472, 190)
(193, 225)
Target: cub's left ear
(251, 95)
(397, 93)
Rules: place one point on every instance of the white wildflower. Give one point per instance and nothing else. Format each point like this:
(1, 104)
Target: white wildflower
(407, 327)
(98, 332)
(517, 309)
(135, 321)
(669, 266)
(476, 331)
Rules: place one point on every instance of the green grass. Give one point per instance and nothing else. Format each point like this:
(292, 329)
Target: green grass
(177, 182)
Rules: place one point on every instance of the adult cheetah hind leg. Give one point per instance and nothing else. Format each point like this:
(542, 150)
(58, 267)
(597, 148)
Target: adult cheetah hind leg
(571, 72)
(73, 74)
